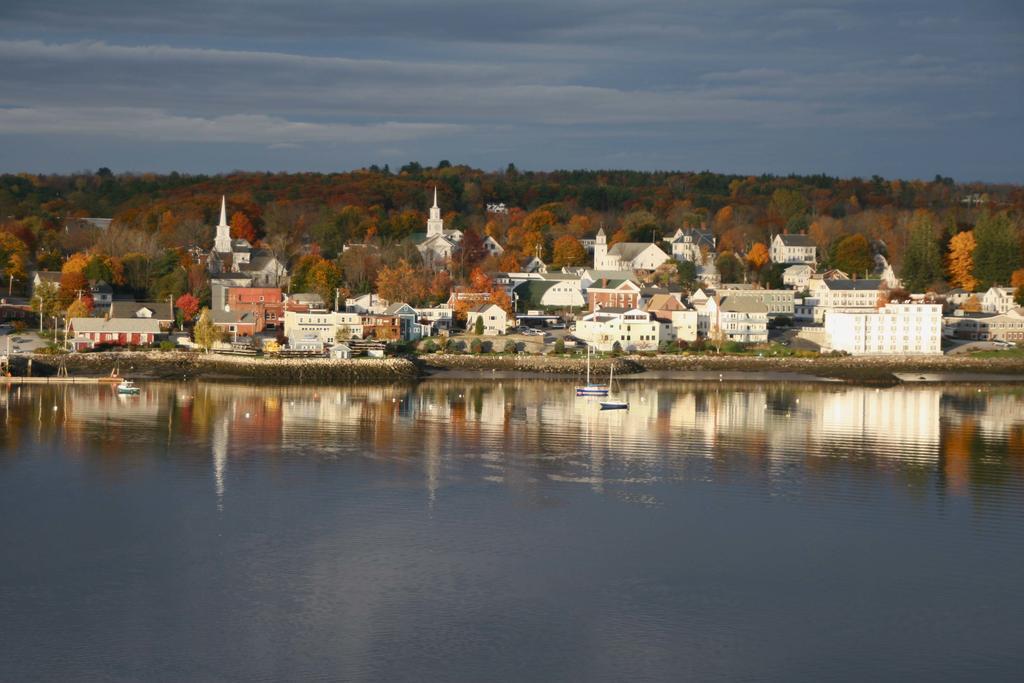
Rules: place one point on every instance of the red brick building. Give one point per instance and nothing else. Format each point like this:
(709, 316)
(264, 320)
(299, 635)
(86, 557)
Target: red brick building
(613, 294)
(264, 304)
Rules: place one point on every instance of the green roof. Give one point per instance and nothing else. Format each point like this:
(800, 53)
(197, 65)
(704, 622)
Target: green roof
(531, 292)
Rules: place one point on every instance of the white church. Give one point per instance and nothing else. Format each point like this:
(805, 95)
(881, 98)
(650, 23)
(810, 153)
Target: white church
(627, 255)
(439, 244)
(238, 256)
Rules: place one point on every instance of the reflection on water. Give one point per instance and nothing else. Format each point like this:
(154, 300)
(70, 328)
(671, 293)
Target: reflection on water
(507, 530)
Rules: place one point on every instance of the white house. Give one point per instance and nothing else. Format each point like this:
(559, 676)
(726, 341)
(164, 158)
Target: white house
(633, 329)
(998, 300)
(793, 249)
(696, 246)
(681, 321)
(494, 317)
(627, 255)
(797, 276)
(737, 319)
(894, 329)
(325, 326)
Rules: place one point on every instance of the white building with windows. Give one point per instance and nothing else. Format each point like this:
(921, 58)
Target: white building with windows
(831, 296)
(894, 329)
(495, 319)
(627, 255)
(793, 249)
(633, 329)
(797, 276)
(733, 318)
(998, 300)
(325, 326)
(438, 245)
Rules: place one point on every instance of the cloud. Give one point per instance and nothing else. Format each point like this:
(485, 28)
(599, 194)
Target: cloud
(155, 125)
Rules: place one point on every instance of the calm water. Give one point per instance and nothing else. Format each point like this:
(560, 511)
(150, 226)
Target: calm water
(466, 530)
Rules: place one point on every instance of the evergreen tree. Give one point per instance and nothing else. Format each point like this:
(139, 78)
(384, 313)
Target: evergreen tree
(478, 326)
(922, 262)
(997, 252)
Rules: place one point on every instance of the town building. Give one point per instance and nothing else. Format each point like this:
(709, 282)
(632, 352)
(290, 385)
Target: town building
(239, 256)
(1007, 326)
(678, 321)
(438, 245)
(632, 329)
(894, 329)
(734, 318)
(797, 276)
(780, 303)
(161, 311)
(998, 300)
(88, 333)
(266, 304)
(613, 294)
(793, 249)
(495, 319)
(696, 246)
(549, 293)
(828, 296)
(627, 255)
(102, 294)
(326, 326)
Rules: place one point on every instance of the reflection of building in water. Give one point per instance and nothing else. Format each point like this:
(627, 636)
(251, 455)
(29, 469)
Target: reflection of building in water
(900, 422)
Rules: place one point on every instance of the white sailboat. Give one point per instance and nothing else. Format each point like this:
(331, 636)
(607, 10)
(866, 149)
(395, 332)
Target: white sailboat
(613, 403)
(591, 389)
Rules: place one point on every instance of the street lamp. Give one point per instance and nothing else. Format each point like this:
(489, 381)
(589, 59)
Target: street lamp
(37, 296)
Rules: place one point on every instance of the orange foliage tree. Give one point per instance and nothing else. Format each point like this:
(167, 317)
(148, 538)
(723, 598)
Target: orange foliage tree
(242, 227)
(567, 251)
(758, 256)
(960, 261)
(400, 283)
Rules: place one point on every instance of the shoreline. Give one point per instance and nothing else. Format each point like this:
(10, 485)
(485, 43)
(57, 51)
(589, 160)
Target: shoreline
(191, 365)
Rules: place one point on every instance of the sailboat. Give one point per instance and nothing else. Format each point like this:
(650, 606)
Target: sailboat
(612, 403)
(591, 389)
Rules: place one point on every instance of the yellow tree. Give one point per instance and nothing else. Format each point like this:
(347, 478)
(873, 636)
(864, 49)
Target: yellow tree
(960, 261)
(78, 309)
(399, 283)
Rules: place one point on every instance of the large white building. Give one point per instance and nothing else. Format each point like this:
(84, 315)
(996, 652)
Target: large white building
(830, 296)
(793, 249)
(439, 245)
(734, 318)
(633, 329)
(998, 300)
(894, 329)
(324, 326)
(627, 255)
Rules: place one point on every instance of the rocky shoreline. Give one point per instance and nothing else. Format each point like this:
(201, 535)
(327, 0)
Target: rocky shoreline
(189, 365)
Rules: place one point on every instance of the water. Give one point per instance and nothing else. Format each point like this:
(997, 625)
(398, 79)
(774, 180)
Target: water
(504, 530)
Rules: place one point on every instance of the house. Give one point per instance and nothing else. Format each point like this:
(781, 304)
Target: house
(382, 327)
(778, 302)
(305, 302)
(438, 245)
(533, 264)
(408, 321)
(492, 246)
(219, 287)
(894, 329)
(238, 256)
(102, 293)
(436, 318)
(266, 304)
(366, 303)
(998, 300)
(1007, 326)
(307, 343)
(631, 328)
(495, 319)
(161, 311)
(235, 324)
(735, 319)
(696, 246)
(627, 255)
(681, 321)
(88, 333)
(327, 326)
(797, 276)
(614, 294)
(339, 351)
(555, 293)
(793, 249)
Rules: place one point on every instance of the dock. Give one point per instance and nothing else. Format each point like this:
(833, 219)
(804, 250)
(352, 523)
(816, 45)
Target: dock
(59, 380)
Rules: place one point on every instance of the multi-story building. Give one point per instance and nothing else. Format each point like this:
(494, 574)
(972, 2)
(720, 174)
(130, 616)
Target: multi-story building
(987, 326)
(734, 318)
(829, 296)
(778, 302)
(613, 294)
(633, 329)
(998, 300)
(265, 304)
(627, 255)
(326, 326)
(894, 329)
(793, 249)
(681, 321)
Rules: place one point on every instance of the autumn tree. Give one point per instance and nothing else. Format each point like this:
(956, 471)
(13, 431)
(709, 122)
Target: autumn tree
(400, 283)
(188, 305)
(758, 256)
(787, 205)
(567, 251)
(620, 235)
(205, 332)
(242, 228)
(324, 278)
(46, 300)
(997, 253)
(972, 304)
(853, 255)
(79, 308)
(922, 262)
(960, 261)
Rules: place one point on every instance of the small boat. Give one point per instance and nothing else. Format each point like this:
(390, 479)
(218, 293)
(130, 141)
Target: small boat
(612, 403)
(591, 389)
(128, 387)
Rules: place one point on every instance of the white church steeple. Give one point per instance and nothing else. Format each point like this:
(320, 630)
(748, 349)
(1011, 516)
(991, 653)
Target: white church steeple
(435, 224)
(222, 243)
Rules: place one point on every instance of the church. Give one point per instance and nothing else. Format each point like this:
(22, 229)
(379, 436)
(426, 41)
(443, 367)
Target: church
(439, 245)
(627, 255)
(238, 256)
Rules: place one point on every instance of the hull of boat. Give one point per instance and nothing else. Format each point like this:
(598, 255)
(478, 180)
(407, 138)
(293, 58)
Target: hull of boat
(614, 405)
(594, 390)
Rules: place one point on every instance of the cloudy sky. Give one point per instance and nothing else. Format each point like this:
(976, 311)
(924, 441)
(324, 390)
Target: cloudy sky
(901, 88)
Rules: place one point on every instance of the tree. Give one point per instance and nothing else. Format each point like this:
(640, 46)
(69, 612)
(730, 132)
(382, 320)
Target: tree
(188, 305)
(205, 332)
(400, 283)
(960, 261)
(242, 228)
(997, 253)
(324, 278)
(729, 267)
(1017, 282)
(922, 263)
(687, 272)
(972, 304)
(567, 251)
(478, 326)
(787, 204)
(758, 256)
(476, 346)
(853, 255)
(79, 308)
(46, 301)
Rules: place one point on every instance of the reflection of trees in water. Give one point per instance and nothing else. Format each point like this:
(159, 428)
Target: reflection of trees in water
(523, 432)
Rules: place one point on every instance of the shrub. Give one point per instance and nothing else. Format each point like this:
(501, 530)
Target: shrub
(511, 347)
(478, 326)
(476, 346)
(733, 347)
(20, 325)
(166, 345)
(617, 348)
(682, 344)
(429, 346)
(560, 346)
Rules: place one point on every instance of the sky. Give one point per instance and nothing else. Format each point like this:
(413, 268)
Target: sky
(904, 88)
